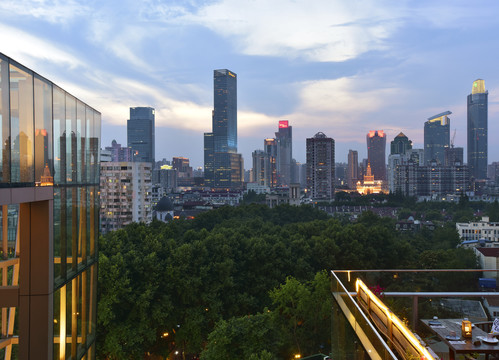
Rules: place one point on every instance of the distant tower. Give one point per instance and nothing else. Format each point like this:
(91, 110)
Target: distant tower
(400, 144)
(477, 130)
(284, 142)
(222, 163)
(353, 169)
(270, 148)
(376, 153)
(140, 134)
(320, 166)
(436, 137)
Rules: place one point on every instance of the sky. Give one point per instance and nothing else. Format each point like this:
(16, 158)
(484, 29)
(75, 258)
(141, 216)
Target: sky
(333, 66)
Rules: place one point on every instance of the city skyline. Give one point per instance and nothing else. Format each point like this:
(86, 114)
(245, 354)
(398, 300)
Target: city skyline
(342, 69)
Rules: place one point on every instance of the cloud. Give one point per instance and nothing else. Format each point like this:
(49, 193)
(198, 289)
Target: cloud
(53, 11)
(27, 48)
(318, 31)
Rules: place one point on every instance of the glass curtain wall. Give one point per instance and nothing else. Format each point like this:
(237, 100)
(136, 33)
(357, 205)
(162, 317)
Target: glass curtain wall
(50, 138)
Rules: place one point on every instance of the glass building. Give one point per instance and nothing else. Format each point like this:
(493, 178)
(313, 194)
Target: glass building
(436, 137)
(49, 200)
(284, 142)
(140, 134)
(320, 166)
(477, 130)
(221, 162)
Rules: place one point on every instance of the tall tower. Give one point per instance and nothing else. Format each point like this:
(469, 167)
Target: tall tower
(477, 130)
(436, 137)
(376, 153)
(221, 161)
(320, 166)
(400, 144)
(284, 142)
(353, 168)
(140, 134)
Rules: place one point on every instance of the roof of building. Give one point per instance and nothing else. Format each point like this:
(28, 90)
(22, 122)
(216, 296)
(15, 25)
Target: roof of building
(165, 204)
(489, 251)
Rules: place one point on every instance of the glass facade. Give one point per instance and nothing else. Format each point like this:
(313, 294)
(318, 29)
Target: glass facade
(140, 134)
(49, 203)
(478, 130)
(436, 138)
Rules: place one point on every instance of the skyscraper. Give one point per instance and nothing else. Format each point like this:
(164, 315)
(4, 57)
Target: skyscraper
(270, 148)
(436, 137)
(353, 169)
(284, 142)
(376, 153)
(399, 147)
(477, 130)
(320, 166)
(140, 134)
(221, 161)
(400, 144)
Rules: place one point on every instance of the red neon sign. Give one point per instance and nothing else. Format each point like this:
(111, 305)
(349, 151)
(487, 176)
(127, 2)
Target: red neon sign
(283, 124)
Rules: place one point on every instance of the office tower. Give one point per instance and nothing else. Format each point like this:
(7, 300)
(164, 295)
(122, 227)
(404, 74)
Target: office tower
(353, 169)
(261, 168)
(221, 162)
(184, 171)
(49, 226)
(436, 137)
(132, 192)
(270, 148)
(453, 155)
(400, 144)
(320, 166)
(284, 147)
(477, 130)
(140, 134)
(376, 153)
(119, 153)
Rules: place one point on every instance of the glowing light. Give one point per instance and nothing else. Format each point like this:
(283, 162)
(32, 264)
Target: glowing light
(283, 124)
(297, 356)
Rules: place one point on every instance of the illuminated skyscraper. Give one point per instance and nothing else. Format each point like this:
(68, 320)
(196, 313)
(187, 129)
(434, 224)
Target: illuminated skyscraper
(223, 165)
(140, 134)
(320, 166)
(376, 153)
(477, 130)
(284, 142)
(436, 137)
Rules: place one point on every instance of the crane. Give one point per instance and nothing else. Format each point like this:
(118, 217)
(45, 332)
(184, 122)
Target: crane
(452, 140)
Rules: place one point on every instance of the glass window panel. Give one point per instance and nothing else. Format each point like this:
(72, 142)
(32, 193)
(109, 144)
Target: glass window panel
(59, 217)
(89, 113)
(43, 132)
(69, 228)
(57, 322)
(4, 122)
(21, 124)
(59, 110)
(97, 124)
(80, 140)
(71, 153)
(69, 308)
(82, 234)
(73, 252)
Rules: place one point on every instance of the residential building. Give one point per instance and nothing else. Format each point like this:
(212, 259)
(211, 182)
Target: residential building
(49, 203)
(400, 153)
(166, 178)
(436, 137)
(477, 130)
(453, 155)
(479, 230)
(270, 148)
(320, 167)
(222, 164)
(261, 168)
(284, 153)
(140, 134)
(184, 171)
(376, 153)
(126, 189)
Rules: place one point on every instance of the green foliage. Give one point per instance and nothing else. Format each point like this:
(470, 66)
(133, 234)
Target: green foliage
(251, 197)
(205, 282)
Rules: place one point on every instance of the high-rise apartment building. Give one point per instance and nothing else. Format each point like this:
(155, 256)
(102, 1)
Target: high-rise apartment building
(320, 166)
(125, 194)
(222, 163)
(436, 137)
(140, 134)
(453, 155)
(477, 130)
(270, 148)
(284, 155)
(376, 153)
(261, 168)
(353, 169)
(49, 227)
(399, 147)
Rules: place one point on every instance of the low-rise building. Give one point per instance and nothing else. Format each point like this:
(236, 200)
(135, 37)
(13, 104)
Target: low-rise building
(479, 230)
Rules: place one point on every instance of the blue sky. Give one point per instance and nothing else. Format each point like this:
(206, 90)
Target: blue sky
(336, 66)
